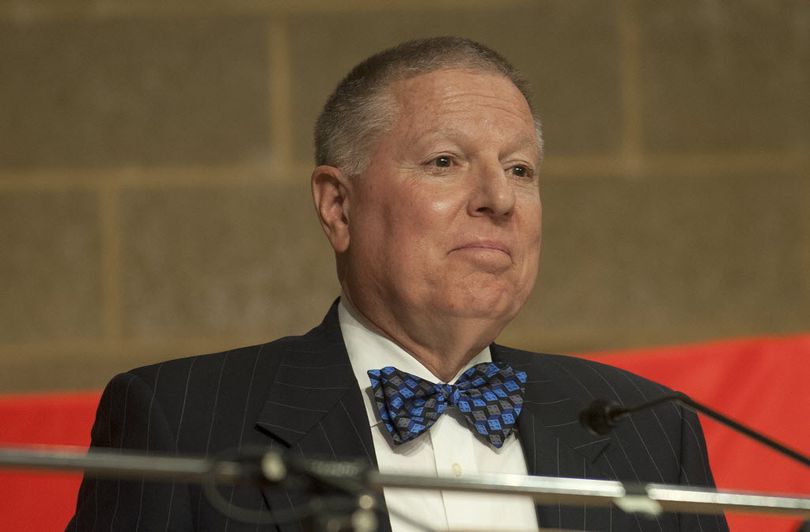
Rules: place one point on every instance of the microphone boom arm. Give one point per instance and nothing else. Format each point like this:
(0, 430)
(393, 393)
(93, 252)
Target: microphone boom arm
(601, 416)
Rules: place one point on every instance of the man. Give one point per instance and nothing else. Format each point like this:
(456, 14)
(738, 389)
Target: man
(427, 189)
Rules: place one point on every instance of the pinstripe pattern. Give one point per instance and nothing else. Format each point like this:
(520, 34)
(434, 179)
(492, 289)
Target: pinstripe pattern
(176, 443)
(300, 393)
(121, 444)
(662, 445)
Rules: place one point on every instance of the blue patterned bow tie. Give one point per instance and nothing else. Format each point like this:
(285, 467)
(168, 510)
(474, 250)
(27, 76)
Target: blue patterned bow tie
(490, 395)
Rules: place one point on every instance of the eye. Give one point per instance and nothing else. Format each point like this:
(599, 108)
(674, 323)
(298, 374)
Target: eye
(443, 161)
(520, 170)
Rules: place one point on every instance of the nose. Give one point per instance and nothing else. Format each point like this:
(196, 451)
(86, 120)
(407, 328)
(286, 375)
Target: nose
(493, 193)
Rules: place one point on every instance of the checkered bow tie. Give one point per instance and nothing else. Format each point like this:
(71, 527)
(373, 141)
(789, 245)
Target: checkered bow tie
(489, 395)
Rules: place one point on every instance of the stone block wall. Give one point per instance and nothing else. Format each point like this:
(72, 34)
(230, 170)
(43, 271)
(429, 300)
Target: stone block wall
(154, 165)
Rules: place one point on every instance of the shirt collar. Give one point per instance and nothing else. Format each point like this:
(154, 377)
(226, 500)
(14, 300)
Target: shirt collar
(369, 349)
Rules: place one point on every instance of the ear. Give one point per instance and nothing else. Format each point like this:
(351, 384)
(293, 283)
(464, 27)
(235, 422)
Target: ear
(330, 192)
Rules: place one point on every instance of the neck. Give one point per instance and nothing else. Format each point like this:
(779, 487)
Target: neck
(442, 345)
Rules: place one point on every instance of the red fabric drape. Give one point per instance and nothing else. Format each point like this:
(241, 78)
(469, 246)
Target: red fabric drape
(40, 502)
(763, 382)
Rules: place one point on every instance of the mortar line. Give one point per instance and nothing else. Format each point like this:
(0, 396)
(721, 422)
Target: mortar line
(630, 86)
(256, 174)
(280, 94)
(109, 220)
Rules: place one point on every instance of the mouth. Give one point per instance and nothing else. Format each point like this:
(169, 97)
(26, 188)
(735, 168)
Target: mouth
(485, 245)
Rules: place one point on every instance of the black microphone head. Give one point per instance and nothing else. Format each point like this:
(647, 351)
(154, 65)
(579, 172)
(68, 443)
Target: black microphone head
(600, 417)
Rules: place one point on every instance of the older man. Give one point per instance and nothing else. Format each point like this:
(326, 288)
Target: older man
(427, 189)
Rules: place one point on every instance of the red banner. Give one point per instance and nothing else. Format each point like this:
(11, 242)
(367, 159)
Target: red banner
(761, 382)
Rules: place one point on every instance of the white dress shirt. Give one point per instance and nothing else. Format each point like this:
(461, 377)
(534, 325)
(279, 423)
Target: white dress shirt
(448, 448)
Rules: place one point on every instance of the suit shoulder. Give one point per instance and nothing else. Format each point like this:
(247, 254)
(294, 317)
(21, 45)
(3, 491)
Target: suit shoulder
(583, 376)
(201, 362)
(236, 359)
(201, 373)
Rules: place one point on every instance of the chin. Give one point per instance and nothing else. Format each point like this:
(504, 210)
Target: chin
(494, 308)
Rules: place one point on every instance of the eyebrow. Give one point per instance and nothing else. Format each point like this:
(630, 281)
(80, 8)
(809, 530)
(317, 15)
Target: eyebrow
(524, 141)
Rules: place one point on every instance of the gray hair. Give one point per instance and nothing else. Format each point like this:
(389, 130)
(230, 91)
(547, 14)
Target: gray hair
(360, 108)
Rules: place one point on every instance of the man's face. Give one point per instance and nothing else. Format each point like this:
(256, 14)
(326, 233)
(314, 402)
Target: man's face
(445, 219)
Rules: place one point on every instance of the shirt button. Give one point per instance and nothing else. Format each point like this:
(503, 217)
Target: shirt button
(456, 470)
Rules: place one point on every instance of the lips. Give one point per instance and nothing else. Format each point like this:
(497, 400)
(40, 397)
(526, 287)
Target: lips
(485, 245)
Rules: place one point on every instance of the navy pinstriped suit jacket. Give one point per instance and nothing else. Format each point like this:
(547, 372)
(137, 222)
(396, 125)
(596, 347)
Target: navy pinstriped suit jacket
(300, 393)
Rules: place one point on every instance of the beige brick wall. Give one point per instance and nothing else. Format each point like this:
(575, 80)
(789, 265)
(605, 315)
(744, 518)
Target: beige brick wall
(154, 160)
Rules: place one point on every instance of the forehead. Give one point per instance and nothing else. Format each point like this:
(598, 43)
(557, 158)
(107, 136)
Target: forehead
(450, 85)
(479, 102)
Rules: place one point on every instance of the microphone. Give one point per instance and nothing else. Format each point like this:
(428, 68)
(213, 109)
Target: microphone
(603, 415)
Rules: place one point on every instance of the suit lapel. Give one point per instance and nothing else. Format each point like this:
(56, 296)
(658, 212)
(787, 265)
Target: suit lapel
(553, 441)
(551, 416)
(314, 407)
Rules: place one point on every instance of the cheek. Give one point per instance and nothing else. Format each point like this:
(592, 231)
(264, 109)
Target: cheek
(533, 222)
(419, 220)
(438, 206)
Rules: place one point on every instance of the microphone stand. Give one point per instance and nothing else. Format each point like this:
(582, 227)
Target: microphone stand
(358, 480)
(602, 415)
